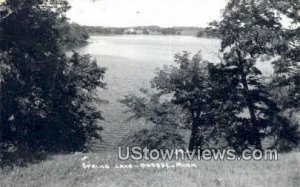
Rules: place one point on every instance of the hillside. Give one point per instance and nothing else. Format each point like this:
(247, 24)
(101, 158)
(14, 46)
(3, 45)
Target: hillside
(67, 170)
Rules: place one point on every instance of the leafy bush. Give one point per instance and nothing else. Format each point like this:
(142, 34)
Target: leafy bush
(155, 138)
(47, 100)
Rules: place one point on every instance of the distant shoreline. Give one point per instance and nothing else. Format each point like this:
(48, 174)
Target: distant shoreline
(99, 34)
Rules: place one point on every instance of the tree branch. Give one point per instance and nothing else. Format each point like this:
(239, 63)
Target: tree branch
(11, 12)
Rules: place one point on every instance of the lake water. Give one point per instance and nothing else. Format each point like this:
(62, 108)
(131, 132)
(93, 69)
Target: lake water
(131, 62)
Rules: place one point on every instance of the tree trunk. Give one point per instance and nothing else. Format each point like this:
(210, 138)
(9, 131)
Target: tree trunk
(194, 138)
(254, 123)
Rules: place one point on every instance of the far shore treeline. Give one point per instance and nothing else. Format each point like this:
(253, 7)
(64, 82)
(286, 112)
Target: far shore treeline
(144, 30)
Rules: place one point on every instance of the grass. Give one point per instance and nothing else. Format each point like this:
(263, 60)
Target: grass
(67, 170)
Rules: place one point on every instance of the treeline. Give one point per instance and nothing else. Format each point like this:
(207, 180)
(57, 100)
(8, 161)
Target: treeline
(104, 30)
(142, 30)
(207, 33)
(151, 30)
(230, 104)
(77, 35)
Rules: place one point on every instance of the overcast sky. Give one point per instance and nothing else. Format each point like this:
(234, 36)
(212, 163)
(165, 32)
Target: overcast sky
(165, 13)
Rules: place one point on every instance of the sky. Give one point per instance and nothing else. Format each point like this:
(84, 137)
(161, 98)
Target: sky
(126, 13)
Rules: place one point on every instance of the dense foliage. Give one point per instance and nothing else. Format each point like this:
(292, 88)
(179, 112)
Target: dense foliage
(47, 100)
(158, 110)
(250, 31)
(74, 35)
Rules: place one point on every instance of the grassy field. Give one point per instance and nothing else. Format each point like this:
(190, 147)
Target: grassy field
(67, 170)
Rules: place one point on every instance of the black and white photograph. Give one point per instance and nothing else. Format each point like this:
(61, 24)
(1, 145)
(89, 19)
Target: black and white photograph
(168, 93)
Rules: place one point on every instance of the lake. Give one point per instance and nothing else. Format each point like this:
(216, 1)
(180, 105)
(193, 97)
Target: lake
(131, 62)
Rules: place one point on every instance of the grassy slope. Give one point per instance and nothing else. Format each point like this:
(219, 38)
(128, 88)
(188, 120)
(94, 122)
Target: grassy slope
(66, 170)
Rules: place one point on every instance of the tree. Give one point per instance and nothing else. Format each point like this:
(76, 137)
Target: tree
(249, 31)
(200, 33)
(45, 97)
(191, 89)
(287, 67)
(189, 100)
(74, 35)
(166, 118)
(146, 31)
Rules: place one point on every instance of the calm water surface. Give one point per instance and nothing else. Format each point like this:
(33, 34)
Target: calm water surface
(131, 63)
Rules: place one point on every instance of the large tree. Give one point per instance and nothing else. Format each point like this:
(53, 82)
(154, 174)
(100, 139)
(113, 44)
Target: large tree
(45, 97)
(251, 30)
(190, 88)
(185, 98)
